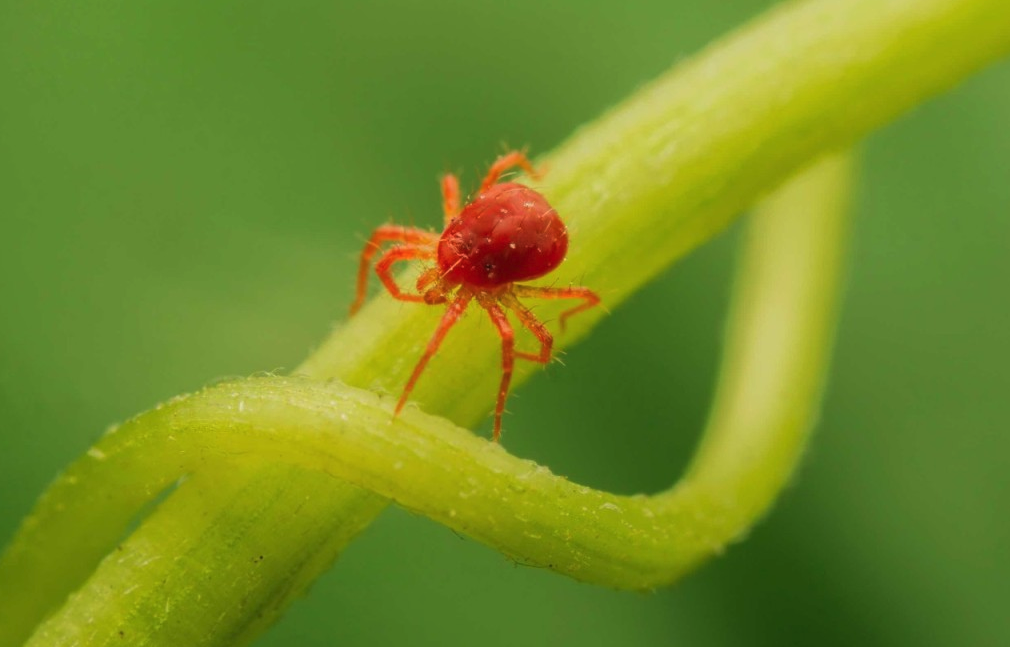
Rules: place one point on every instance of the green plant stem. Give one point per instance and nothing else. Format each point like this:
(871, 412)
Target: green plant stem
(639, 188)
(672, 165)
(776, 348)
(785, 296)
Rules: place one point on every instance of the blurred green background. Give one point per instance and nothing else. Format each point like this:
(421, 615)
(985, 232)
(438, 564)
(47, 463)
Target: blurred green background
(183, 189)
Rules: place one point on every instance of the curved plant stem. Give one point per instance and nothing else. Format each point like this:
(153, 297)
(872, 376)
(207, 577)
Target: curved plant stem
(638, 188)
(778, 346)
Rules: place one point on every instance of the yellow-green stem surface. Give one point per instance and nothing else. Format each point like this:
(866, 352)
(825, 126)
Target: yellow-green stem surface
(638, 188)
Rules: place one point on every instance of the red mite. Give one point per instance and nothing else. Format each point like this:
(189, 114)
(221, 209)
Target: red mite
(508, 233)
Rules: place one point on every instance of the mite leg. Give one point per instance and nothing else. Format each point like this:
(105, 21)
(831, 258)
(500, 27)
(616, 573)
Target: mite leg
(451, 316)
(505, 162)
(590, 298)
(401, 253)
(381, 235)
(501, 322)
(450, 196)
(532, 324)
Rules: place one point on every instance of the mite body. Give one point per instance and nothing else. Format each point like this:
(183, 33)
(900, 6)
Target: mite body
(508, 233)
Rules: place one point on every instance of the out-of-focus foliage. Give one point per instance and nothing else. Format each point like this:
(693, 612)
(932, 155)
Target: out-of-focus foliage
(180, 189)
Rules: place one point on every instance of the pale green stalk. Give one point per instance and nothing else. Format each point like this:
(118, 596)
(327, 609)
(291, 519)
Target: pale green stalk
(239, 433)
(639, 188)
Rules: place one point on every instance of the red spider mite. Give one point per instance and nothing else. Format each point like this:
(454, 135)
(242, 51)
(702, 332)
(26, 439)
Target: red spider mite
(508, 233)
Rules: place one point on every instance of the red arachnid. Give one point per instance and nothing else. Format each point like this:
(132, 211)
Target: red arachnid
(508, 233)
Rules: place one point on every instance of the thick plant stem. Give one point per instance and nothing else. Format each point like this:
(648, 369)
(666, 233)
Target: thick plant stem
(638, 188)
(213, 565)
(668, 168)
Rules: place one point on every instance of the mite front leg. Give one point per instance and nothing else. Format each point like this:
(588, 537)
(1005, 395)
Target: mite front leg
(384, 268)
(450, 197)
(451, 316)
(386, 233)
(591, 298)
(505, 162)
